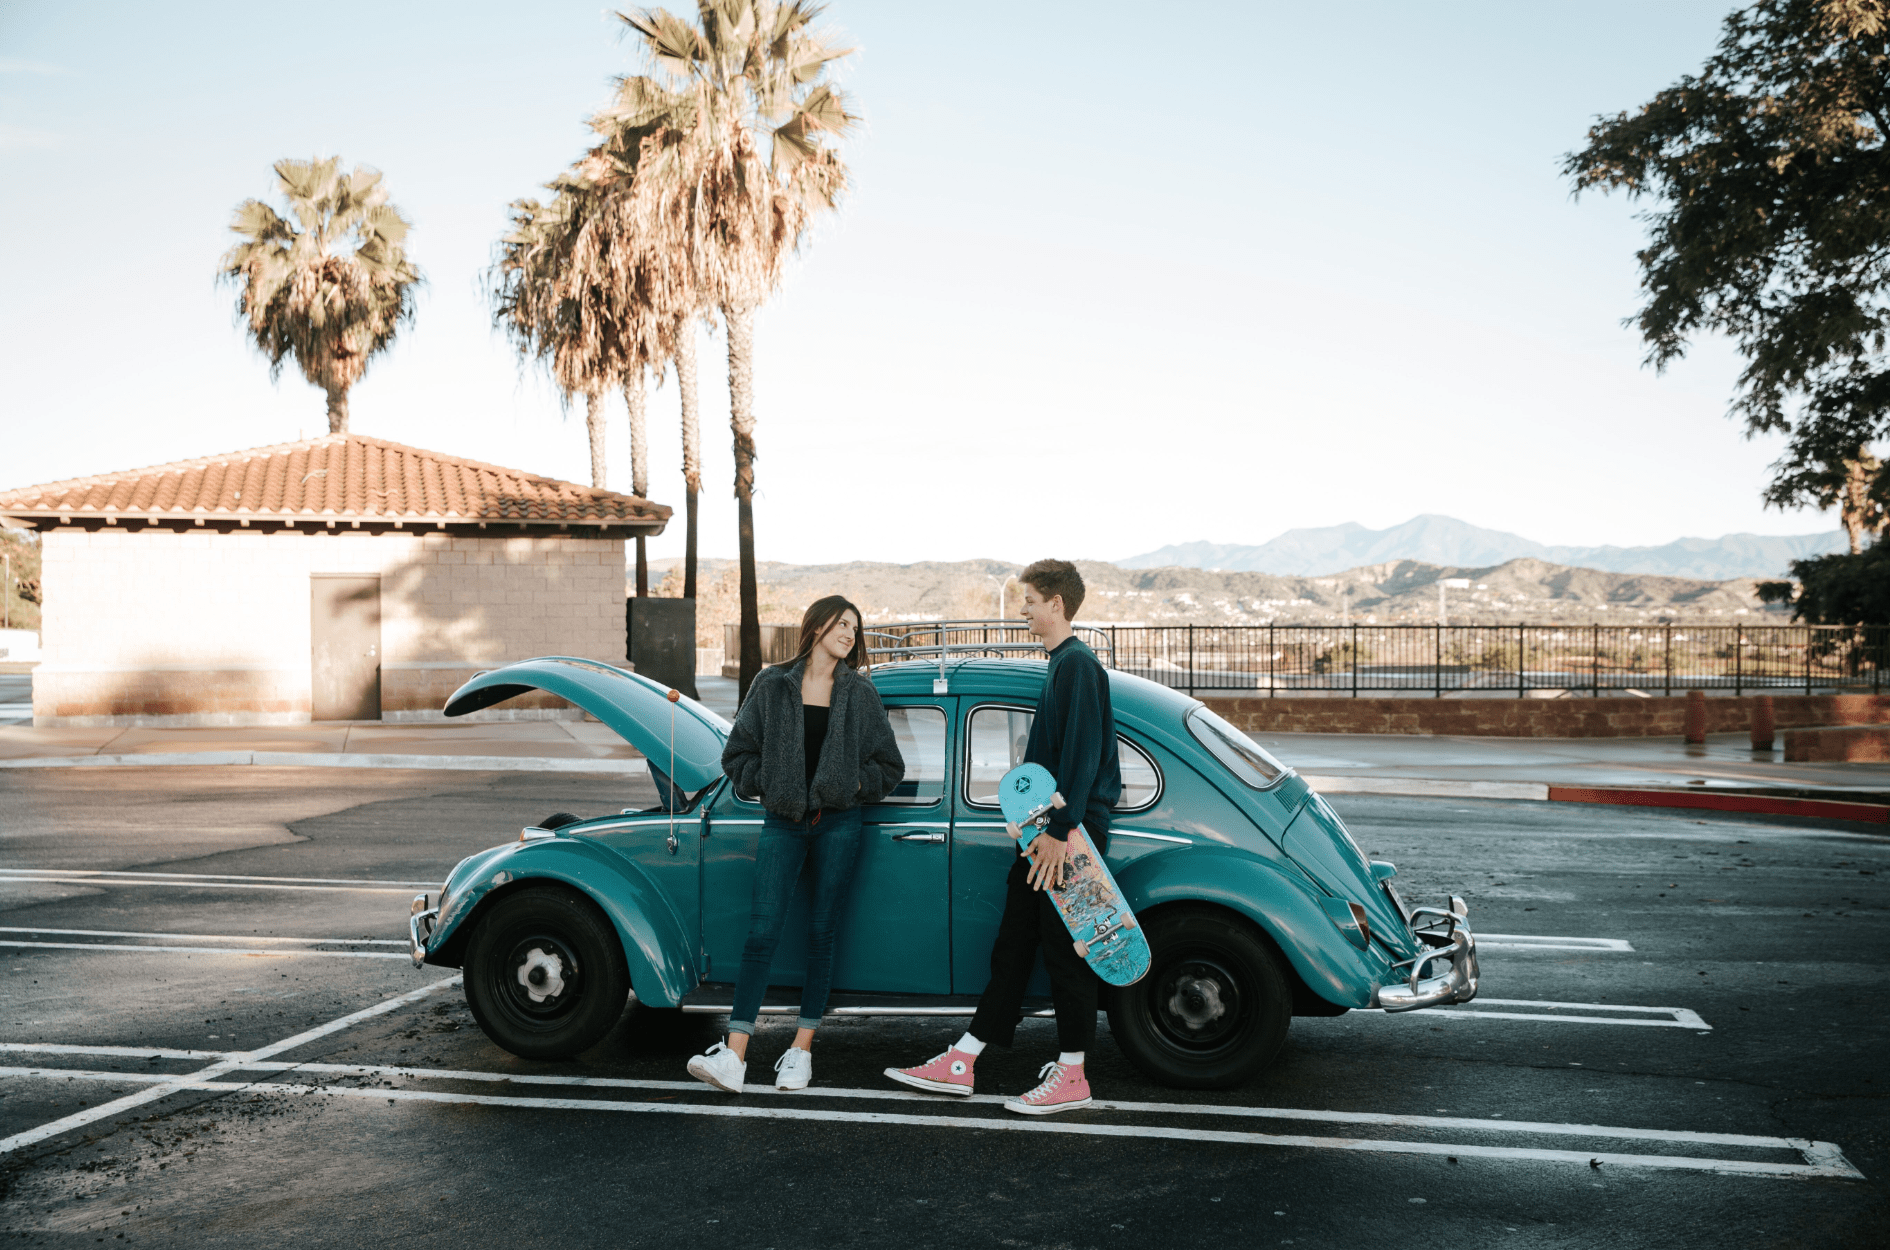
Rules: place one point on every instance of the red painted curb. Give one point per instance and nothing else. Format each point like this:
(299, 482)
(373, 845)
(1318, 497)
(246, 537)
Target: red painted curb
(1766, 804)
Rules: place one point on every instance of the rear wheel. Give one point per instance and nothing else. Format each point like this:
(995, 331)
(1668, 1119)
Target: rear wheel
(545, 974)
(1214, 1007)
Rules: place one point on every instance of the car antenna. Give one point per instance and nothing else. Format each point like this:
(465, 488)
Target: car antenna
(669, 800)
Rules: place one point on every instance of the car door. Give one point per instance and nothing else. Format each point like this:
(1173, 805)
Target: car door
(994, 735)
(895, 928)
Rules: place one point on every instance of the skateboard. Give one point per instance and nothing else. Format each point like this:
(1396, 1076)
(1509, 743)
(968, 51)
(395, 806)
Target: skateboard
(1105, 932)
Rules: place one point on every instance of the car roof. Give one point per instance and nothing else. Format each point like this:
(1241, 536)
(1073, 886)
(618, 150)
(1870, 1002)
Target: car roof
(1133, 698)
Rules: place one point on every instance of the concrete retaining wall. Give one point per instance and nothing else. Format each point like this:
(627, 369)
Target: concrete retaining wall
(1850, 744)
(1540, 718)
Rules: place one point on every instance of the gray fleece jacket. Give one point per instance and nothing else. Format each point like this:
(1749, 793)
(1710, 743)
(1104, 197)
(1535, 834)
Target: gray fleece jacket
(765, 755)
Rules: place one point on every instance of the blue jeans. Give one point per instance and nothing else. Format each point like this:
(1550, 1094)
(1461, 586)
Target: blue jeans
(832, 841)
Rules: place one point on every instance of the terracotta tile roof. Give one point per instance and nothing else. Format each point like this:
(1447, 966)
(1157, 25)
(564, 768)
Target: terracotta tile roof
(339, 477)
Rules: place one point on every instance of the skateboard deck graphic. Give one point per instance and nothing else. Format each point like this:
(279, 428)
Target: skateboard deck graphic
(1106, 934)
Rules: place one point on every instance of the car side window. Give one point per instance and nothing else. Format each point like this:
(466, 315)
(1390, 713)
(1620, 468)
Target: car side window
(995, 745)
(920, 732)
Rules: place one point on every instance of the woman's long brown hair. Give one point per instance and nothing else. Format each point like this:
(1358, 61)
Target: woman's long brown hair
(824, 612)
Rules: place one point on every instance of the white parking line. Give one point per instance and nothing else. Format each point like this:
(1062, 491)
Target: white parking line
(200, 950)
(129, 1052)
(209, 876)
(1678, 1017)
(106, 1110)
(7, 878)
(209, 937)
(1529, 942)
(1822, 1159)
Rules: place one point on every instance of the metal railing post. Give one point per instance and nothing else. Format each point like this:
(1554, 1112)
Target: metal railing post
(1739, 661)
(1191, 661)
(1437, 667)
(1669, 687)
(1355, 661)
(1522, 643)
(1594, 664)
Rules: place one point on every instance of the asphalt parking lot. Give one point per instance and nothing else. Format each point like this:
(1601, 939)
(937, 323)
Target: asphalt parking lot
(211, 1035)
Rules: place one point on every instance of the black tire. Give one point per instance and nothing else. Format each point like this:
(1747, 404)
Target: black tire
(554, 943)
(1214, 1007)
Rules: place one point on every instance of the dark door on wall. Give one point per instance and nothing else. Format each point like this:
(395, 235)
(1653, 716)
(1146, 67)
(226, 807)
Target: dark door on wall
(345, 638)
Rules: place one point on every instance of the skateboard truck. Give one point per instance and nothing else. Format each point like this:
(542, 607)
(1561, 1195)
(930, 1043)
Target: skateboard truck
(1038, 816)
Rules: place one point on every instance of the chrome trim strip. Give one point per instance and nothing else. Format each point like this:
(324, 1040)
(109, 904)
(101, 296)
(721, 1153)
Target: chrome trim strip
(1153, 837)
(915, 824)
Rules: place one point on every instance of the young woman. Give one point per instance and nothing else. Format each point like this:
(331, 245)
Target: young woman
(814, 743)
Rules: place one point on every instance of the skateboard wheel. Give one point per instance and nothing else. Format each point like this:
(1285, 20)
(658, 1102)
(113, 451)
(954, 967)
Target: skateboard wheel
(1082, 950)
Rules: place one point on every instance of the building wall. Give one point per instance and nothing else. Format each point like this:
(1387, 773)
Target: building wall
(165, 628)
(1540, 718)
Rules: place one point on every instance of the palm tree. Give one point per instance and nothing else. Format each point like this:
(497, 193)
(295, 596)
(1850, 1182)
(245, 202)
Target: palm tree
(554, 312)
(751, 71)
(332, 286)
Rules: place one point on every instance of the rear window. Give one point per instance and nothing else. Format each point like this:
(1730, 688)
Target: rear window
(1244, 757)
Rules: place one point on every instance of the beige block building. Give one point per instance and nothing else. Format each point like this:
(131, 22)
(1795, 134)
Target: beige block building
(342, 578)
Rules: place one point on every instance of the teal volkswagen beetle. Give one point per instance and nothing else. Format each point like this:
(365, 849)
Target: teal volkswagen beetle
(1257, 903)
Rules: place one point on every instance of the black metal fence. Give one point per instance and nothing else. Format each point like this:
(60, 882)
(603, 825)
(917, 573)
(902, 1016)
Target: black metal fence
(1452, 659)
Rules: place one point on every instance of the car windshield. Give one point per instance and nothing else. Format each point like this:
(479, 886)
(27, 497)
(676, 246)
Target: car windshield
(1243, 756)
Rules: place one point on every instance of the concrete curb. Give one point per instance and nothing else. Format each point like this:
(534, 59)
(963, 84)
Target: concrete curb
(311, 759)
(1417, 787)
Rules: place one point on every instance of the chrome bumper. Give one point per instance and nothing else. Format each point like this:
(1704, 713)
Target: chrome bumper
(1448, 935)
(418, 915)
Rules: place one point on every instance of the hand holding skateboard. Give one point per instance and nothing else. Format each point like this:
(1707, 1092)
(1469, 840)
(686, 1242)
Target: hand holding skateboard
(1105, 932)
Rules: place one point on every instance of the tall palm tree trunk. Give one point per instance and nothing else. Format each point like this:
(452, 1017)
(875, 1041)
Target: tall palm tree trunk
(691, 449)
(741, 420)
(594, 422)
(633, 399)
(337, 409)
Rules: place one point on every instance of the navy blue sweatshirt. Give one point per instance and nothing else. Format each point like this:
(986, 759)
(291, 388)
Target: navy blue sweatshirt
(1074, 736)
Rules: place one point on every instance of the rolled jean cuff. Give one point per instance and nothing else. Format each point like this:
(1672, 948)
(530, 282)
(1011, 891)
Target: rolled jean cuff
(807, 1022)
(746, 1027)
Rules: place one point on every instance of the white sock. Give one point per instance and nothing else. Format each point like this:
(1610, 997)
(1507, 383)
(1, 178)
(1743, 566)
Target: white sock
(1071, 1058)
(970, 1045)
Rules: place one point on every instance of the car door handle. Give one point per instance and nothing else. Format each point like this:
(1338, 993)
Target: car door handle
(918, 837)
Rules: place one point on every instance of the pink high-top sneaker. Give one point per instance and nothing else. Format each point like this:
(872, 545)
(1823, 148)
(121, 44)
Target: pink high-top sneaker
(949, 1073)
(1064, 1088)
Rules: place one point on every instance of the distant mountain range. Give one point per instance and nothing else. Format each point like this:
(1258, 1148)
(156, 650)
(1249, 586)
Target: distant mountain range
(1444, 540)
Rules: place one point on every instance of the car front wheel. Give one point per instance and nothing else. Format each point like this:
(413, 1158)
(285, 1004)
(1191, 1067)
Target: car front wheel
(1214, 1007)
(545, 974)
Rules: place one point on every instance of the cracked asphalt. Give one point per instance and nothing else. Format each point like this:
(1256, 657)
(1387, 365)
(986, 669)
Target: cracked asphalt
(1771, 932)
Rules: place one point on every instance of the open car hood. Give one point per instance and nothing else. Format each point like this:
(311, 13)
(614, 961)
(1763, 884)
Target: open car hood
(637, 708)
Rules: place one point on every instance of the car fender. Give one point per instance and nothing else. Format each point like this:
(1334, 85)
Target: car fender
(655, 943)
(1284, 907)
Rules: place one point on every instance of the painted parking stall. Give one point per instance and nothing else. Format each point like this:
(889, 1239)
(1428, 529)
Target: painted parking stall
(252, 1018)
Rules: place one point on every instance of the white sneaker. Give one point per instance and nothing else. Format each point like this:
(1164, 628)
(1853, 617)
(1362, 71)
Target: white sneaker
(721, 1067)
(796, 1069)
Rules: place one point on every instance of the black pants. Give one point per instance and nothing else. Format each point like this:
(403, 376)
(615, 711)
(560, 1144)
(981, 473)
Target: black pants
(1031, 921)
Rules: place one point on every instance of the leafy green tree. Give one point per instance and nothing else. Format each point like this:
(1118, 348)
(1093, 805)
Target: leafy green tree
(1856, 486)
(1838, 589)
(1770, 179)
(747, 75)
(330, 284)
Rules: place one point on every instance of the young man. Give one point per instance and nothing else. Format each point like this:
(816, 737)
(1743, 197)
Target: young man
(1074, 736)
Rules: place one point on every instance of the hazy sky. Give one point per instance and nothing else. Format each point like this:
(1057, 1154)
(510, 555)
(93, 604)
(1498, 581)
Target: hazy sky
(1112, 276)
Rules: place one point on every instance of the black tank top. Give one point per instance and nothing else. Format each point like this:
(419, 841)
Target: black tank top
(815, 719)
